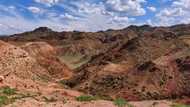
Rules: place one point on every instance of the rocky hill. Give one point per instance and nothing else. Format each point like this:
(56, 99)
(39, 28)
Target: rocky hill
(135, 63)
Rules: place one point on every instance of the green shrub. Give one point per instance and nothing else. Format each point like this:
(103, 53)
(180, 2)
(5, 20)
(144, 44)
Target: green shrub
(121, 103)
(9, 91)
(3, 100)
(85, 98)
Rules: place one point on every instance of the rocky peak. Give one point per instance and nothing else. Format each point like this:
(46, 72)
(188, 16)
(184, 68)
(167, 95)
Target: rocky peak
(42, 29)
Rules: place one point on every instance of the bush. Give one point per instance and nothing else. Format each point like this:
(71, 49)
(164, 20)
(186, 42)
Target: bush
(4, 100)
(121, 102)
(9, 91)
(85, 98)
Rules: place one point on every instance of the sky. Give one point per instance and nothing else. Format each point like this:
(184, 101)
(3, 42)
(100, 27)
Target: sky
(89, 15)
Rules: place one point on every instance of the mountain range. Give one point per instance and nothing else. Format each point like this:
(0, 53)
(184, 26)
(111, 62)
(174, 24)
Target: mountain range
(141, 64)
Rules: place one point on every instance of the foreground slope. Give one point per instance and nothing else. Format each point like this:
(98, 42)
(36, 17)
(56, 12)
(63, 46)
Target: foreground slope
(22, 82)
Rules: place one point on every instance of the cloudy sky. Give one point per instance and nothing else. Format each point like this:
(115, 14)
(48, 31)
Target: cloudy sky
(89, 15)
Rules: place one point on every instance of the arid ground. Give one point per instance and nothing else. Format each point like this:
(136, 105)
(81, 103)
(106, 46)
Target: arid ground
(138, 66)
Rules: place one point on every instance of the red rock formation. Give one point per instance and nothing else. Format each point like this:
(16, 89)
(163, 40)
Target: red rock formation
(46, 56)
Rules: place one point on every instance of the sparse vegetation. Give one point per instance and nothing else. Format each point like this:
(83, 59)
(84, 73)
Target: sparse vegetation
(85, 98)
(20, 96)
(180, 105)
(91, 98)
(161, 82)
(64, 101)
(120, 102)
(74, 60)
(8, 91)
(108, 98)
(49, 99)
(64, 84)
(44, 78)
(3, 100)
(9, 95)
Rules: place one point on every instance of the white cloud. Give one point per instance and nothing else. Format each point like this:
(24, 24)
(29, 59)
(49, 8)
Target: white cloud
(129, 7)
(122, 20)
(151, 8)
(176, 13)
(95, 22)
(34, 9)
(11, 7)
(98, 17)
(68, 16)
(171, 12)
(7, 9)
(16, 23)
(85, 16)
(21, 24)
(149, 22)
(88, 8)
(47, 2)
(182, 3)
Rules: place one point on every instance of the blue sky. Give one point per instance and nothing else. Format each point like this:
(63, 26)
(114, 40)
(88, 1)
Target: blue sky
(89, 15)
